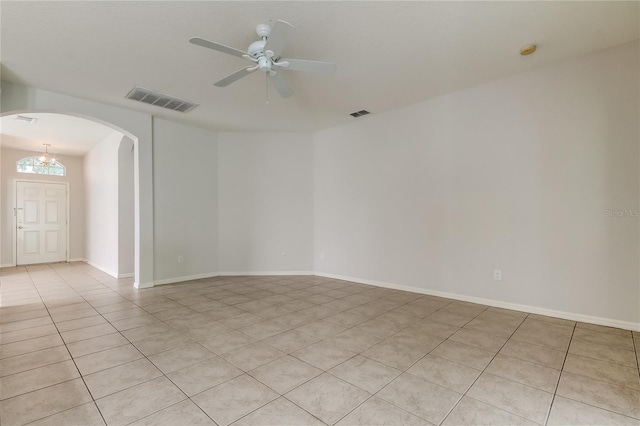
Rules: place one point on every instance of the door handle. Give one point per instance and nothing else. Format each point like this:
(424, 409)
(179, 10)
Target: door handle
(19, 227)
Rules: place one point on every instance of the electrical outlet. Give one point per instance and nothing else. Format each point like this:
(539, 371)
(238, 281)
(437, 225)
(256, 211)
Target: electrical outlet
(180, 259)
(497, 274)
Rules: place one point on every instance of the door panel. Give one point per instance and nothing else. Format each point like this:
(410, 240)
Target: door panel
(51, 239)
(31, 212)
(51, 212)
(41, 219)
(31, 192)
(32, 242)
(52, 193)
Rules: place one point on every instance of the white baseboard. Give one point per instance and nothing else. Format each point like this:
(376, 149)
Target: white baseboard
(101, 268)
(216, 274)
(185, 278)
(12, 265)
(107, 271)
(627, 325)
(140, 286)
(249, 273)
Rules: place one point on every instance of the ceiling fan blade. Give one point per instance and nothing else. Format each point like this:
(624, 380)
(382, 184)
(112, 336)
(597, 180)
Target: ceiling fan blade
(278, 38)
(281, 85)
(309, 66)
(234, 77)
(217, 46)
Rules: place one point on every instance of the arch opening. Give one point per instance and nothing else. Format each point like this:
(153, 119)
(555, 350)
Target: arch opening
(111, 145)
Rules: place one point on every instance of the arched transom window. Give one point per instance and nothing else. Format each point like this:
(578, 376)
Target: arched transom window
(34, 165)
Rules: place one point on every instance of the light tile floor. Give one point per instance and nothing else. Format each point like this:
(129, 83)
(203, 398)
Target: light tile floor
(81, 348)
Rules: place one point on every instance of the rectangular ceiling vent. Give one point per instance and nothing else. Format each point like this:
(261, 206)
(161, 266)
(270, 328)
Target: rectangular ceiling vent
(359, 113)
(25, 119)
(152, 97)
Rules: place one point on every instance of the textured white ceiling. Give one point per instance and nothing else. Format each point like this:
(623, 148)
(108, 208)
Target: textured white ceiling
(389, 54)
(67, 135)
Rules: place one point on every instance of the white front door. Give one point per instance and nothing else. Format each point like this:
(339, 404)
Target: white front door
(41, 221)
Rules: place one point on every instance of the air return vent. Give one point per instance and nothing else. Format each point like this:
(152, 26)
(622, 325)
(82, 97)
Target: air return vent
(152, 97)
(25, 119)
(359, 113)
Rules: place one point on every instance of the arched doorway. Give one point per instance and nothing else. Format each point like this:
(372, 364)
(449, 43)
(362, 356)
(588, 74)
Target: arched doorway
(110, 236)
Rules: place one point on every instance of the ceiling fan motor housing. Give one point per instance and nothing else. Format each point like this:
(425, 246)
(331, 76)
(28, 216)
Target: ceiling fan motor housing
(263, 30)
(256, 49)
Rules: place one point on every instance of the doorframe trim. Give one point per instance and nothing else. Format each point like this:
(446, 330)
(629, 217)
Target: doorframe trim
(14, 197)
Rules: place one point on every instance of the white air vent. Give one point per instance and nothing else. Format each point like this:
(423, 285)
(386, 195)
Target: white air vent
(359, 113)
(152, 97)
(25, 119)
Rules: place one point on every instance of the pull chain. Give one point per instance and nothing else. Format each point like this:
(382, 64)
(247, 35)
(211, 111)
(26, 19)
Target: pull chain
(266, 87)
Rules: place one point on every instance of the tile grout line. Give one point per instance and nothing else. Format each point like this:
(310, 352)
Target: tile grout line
(581, 402)
(636, 349)
(604, 361)
(248, 374)
(73, 358)
(564, 361)
(289, 354)
(218, 356)
(66, 347)
(163, 374)
(611, 383)
(371, 395)
(402, 371)
(482, 372)
(406, 370)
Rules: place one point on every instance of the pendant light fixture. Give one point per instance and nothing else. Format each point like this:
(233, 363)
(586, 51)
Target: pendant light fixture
(46, 159)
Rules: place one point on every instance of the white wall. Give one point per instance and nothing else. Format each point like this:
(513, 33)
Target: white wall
(514, 175)
(75, 178)
(185, 201)
(17, 98)
(2, 215)
(101, 185)
(20, 98)
(265, 202)
(126, 208)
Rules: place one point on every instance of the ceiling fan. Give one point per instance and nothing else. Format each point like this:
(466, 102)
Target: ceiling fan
(266, 56)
